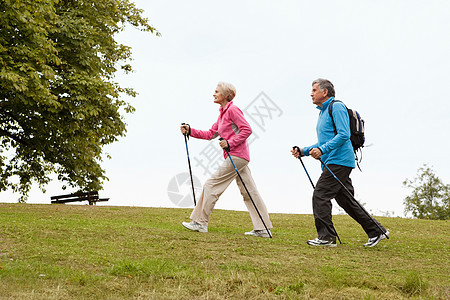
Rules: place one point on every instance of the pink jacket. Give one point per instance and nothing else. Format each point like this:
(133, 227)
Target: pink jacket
(232, 126)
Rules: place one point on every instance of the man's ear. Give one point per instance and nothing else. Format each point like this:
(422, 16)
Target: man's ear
(326, 92)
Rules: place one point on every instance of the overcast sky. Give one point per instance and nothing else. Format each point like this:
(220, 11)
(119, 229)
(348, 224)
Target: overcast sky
(387, 59)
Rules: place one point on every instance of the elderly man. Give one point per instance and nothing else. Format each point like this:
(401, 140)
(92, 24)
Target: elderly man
(337, 153)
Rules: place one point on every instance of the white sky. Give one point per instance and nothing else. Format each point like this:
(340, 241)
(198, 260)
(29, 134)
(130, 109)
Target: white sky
(387, 59)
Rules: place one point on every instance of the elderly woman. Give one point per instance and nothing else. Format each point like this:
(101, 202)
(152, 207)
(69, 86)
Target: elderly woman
(235, 130)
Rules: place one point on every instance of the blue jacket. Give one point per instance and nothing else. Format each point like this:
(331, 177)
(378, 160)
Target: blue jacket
(336, 149)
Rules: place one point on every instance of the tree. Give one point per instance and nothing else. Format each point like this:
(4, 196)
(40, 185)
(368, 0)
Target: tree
(59, 103)
(430, 198)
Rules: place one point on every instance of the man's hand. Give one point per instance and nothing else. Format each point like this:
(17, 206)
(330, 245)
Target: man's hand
(315, 152)
(296, 153)
(184, 129)
(223, 144)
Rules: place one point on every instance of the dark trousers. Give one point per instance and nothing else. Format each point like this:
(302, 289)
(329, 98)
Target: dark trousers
(327, 188)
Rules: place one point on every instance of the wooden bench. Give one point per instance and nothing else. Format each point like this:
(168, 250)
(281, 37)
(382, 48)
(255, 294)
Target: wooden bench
(91, 197)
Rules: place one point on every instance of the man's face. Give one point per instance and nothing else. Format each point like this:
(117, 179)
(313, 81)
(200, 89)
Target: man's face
(318, 96)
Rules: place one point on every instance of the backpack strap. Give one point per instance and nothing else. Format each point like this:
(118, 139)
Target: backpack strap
(330, 112)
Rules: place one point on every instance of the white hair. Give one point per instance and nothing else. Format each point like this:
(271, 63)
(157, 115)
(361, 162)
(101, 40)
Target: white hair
(227, 89)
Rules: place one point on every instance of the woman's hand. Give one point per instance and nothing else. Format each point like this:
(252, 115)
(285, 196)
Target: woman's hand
(223, 144)
(184, 129)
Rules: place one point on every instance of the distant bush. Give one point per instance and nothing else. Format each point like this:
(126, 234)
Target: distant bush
(430, 197)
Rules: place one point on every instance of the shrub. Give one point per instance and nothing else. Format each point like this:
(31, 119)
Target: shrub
(430, 197)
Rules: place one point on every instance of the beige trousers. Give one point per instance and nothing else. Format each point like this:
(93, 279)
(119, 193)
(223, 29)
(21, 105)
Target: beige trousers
(216, 185)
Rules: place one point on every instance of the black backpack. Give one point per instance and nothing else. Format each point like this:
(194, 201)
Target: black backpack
(356, 129)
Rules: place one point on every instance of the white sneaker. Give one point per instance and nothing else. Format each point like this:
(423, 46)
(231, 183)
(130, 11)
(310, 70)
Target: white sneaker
(321, 243)
(194, 226)
(259, 233)
(375, 240)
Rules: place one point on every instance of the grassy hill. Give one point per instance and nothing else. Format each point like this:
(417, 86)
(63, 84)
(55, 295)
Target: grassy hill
(95, 252)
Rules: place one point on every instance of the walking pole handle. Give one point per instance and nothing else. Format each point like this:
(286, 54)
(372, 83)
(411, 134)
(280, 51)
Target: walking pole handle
(227, 148)
(187, 134)
(298, 150)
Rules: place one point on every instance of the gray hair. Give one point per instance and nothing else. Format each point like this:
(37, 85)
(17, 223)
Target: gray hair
(227, 89)
(325, 84)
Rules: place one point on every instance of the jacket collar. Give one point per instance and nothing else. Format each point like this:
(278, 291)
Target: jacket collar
(325, 104)
(222, 110)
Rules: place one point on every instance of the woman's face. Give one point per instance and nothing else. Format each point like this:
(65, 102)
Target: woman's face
(219, 98)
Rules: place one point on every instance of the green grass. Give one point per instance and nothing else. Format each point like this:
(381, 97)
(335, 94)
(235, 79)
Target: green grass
(95, 252)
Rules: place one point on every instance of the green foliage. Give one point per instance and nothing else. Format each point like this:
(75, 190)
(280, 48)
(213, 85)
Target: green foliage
(59, 103)
(430, 198)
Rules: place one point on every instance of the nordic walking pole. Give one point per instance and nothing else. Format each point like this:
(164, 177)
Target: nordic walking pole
(300, 157)
(323, 164)
(228, 153)
(189, 163)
